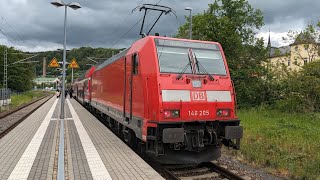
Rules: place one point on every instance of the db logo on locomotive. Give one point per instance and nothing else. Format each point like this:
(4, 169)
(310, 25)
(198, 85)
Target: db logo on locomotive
(198, 96)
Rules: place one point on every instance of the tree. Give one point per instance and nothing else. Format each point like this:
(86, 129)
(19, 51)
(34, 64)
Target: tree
(300, 91)
(20, 76)
(233, 23)
(80, 54)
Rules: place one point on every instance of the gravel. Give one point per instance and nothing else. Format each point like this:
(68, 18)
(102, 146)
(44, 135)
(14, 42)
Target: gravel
(246, 171)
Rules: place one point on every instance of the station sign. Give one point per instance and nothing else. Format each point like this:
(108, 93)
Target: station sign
(54, 63)
(73, 64)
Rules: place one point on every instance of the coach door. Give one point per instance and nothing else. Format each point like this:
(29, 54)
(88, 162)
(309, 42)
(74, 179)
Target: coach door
(131, 70)
(125, 89)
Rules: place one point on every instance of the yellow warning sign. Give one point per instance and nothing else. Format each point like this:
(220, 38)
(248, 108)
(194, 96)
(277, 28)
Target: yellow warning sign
(73, 64)
(54, 63)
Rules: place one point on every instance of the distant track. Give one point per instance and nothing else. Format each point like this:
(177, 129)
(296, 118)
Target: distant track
(7, 113)
(21, 115)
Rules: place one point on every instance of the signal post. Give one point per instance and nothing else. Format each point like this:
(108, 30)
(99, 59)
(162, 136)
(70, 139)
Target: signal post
(73, 65)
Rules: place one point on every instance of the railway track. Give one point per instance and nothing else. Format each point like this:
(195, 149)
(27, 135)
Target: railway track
(203, 171)
(13, 118)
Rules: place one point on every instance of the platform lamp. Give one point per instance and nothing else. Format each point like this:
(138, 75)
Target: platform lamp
(74, 6)
(190, 17)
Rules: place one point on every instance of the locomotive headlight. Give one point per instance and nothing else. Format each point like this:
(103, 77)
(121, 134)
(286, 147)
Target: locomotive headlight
(171, 113)
(223, 112)
(196, 83)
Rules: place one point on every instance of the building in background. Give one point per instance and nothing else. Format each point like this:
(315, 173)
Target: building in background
(43, 83)
(302, 51)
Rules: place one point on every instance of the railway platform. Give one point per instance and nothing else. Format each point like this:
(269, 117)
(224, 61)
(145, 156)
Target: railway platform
(79, 148)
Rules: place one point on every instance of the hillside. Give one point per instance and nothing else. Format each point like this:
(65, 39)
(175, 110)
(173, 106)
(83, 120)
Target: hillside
(80, 54)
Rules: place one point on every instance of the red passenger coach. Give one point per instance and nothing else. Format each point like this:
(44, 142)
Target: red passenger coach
(172, 97)
(82, 87)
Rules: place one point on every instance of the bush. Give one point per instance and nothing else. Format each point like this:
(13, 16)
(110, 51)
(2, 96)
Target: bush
(293, 104)
(300, 91)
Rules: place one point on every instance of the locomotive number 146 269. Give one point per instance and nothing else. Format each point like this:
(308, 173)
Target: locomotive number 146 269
(199, 113)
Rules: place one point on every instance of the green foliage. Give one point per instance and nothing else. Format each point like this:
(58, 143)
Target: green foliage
(233, 23)
(251, 87)
(283, 141)
(20, 76)
(80, 54)
(300, 91)
(18, 100)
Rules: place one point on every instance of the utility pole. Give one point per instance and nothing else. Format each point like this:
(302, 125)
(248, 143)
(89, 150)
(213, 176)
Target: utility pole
(5, 76)
(72, 76)
(5, 73)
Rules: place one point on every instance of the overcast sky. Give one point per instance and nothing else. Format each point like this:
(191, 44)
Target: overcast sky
(36, 25)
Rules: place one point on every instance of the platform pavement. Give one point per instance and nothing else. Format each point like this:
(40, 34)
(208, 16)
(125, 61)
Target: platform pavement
(30, 151)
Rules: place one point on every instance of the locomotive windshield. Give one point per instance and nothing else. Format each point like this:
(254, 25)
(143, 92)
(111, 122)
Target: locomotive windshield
(174, 56)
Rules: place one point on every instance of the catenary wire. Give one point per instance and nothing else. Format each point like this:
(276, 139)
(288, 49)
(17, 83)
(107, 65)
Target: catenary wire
(131, 27)
(18, 35)
(7, 37)
(126, 18)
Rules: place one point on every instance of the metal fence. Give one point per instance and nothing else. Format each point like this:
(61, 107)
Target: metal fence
(5, 97)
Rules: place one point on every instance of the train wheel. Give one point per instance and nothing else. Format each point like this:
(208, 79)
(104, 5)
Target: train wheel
(141, 147)
(132, 140)
(120, 130)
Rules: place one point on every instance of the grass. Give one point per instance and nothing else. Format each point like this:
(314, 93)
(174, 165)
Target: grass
(287, 144)
(20, 99)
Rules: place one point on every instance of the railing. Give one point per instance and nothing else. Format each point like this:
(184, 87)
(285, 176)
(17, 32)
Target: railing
(5, 97)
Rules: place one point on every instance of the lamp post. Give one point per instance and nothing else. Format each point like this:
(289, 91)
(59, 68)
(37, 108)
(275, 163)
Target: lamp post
(190, 17)
(74, 6)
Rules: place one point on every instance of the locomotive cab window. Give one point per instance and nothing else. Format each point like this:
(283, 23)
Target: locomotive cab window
(174, 56)
(135, 63)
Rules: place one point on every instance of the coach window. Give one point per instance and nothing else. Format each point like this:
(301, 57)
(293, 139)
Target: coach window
(135, 63)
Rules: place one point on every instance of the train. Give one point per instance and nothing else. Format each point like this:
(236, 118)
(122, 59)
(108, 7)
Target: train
(172, 99)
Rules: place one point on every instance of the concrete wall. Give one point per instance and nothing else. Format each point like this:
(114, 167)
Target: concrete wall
(5, 97)
(2, 102)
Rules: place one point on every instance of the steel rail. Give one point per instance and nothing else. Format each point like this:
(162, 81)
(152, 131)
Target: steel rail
(213, 167)
(224, 172)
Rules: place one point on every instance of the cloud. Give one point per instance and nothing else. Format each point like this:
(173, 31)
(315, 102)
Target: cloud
(276, 38)
(101, 23)
(285, 15)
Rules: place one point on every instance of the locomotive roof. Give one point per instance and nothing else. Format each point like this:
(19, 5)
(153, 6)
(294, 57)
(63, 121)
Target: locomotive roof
(124, 52)
(112, 59)
(90, 71)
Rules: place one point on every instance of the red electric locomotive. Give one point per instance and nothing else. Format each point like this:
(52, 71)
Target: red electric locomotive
(173, 97)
